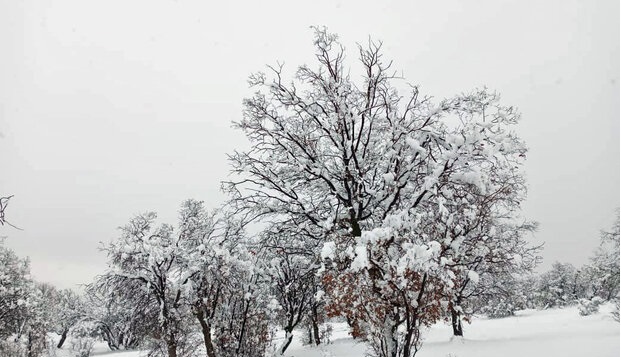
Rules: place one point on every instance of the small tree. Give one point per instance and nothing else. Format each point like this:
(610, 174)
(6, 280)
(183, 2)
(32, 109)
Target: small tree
(557, 287)
(198, 275)
(507, 294)
(606, 263)
(292, 276)
(490, 258)
(68, 310)
(83, 338)
(123, 318)
(15, 292)
(24, 315)
(241, 329)
(216, 261)
(144, 260)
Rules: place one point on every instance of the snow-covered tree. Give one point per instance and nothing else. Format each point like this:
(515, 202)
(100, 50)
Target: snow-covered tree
(369, 173)
(198, 277)
(15, 290)
(504, 295)
(290, 265)
(144, 260)
(124, 317)
(25, 315)
(68, 309)
(605, 263)
(316, 315)
(222, 286)
(557, 287)
(293, 278)
(488, 266)
(38, 320)
(241, 329)
(205, 261)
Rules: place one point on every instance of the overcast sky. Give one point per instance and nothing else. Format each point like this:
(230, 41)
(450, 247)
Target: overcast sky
(110, 108)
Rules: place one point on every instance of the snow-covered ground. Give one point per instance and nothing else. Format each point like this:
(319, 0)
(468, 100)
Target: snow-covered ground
(549, 333)
(532, 333)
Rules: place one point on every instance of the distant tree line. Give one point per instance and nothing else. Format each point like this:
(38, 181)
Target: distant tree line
(563, 285)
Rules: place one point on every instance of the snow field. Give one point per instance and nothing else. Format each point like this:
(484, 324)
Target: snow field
(531, 333)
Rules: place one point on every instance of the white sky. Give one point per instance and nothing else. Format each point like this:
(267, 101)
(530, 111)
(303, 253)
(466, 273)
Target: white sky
(110, 108)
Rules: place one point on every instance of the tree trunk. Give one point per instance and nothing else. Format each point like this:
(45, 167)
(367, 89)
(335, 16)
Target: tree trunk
(456, 323)
(408, 343)
(109, 338)
(29, 347)
(350, 323)
(314, 319)
(240, 339)
(63, 337)
(206, 329)
(394, 343)
(171, 345)
(316, 332)
(288, 338)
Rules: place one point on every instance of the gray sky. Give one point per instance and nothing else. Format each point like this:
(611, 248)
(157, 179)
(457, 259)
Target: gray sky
(109, 108)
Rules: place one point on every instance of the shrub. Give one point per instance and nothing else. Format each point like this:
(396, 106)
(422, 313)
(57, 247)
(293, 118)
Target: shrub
(589, 306)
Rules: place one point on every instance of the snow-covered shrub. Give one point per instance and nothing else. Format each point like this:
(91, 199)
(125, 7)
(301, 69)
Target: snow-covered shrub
(325, 333)
(499, 309)
(502, 295)
(557, 287)
(605, 264)
(83, 338)
(589, 306)
(82, 346)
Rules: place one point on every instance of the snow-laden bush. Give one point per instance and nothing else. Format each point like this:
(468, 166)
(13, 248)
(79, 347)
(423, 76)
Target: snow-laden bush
(82, 346)
(82, 339)
(499, 309)
(589, 306)
(557, 287)
(325, 333)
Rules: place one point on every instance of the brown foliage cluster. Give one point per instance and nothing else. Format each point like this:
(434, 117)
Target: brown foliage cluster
(355, 297)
